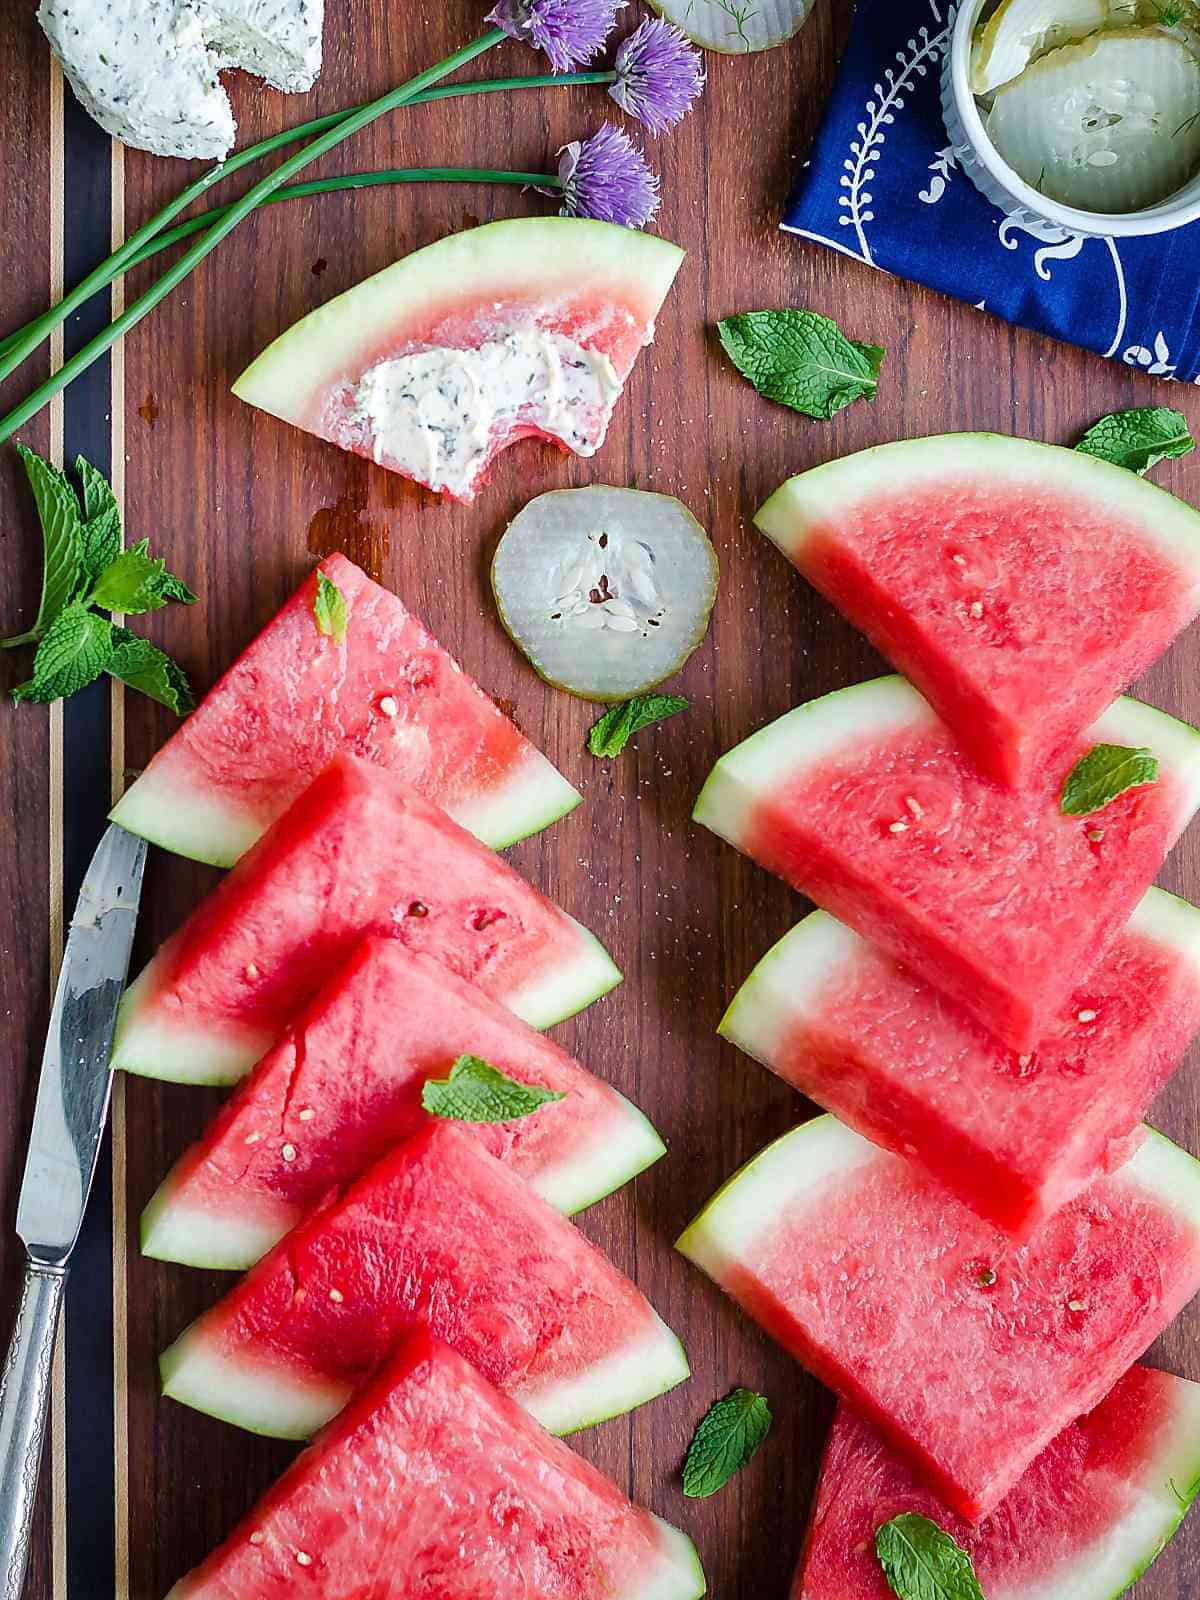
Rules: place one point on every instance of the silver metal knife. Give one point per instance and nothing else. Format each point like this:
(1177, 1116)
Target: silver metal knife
(68, 1125)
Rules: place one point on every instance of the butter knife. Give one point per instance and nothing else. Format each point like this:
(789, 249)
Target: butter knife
(68, 1126)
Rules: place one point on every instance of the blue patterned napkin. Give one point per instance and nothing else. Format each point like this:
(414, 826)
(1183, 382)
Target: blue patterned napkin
(883, 186)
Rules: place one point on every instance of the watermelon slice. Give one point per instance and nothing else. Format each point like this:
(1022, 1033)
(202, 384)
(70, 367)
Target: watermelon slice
(440, 1235)
(968, 1352)
(864, 801)
(1085, 1520)
(518, 329)
(433, 1483)
(1020, 586)
(1014, 1136)
(359, 852)
(295, 697)
(344, 1084)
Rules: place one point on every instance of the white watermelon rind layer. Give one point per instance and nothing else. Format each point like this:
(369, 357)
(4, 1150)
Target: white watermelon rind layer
(751, 1204)
(622, 1146)
(530, 258)
(204, 825)
(810, 734)
(827, 495)
(273, 1400)
(149, 1047)
(790, 981)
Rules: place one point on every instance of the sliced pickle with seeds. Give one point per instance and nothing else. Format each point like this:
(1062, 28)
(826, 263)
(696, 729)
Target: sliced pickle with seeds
(607, 591)
(1111, 125)
(1019, 31)
(736, 27)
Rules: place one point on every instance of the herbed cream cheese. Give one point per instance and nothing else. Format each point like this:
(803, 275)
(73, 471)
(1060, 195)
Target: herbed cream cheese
(435, 414)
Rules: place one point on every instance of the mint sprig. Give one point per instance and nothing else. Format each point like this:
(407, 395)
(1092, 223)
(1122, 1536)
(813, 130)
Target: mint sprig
(728, 1436)
(1139, 438)
(476, 1092)
(1106, 771)
(802, 360)
(619, 724)
(329, 608)
(923, 1562)
(85, 572)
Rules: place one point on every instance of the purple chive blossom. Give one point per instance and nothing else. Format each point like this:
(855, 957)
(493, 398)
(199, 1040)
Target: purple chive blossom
(606, 177)
(569, 31)
(659, 74)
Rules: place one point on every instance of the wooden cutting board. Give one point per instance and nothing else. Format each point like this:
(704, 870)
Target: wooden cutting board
(138, 1491)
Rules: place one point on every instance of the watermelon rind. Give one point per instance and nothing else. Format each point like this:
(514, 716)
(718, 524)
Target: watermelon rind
(1176, 744)
(202, 825)
(680, 1576)
(539, 256)
(149, 1048)
(829, 493)
(807, 734)
(267, 1399)
(173, 1230)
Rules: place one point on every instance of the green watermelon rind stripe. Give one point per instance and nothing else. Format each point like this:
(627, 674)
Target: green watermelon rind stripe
(829, 494)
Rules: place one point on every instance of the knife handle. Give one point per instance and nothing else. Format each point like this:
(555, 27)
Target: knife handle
(24, 1402)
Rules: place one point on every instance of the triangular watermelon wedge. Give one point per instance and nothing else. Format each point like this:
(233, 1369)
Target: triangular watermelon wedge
(344, 1084)
(383, 689)
(1082, 1523)
(432, 1483)
(518, 329)
(439, 1235)
(1019, 586)
(1014, 1136)
(968, 1352)
(358, 852)
(864, 801)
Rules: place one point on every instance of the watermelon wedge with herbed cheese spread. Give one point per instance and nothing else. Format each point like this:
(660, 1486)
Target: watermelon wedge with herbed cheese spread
(968, 1352)
(438, 1235)
(373, 682)
(1082, 1523)
(1019, 586)
(864, 801)
(359, 852)
(1013, 1135)
(344, 1084)
(521, 329)
(433, 1483)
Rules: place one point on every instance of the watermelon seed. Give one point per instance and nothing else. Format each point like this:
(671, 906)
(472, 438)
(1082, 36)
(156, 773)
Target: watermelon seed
(977, 608)
(987, 1278)
(251, 972)
(418, 909)
(307, 1114)
(253, 1138)
(1076, 1305)
(898, 827)
(1087, 1016)
(1095, 835)
(336, 1296)
(915, 807)
(303, 1558)
(389, 706)
(256, 1537)
(288, 1152)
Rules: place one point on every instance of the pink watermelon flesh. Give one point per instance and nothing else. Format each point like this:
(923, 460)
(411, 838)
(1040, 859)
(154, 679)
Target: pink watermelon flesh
(1014, 1136)
(359, 852)
(432, 1483)
(343, 1085)
(1085, 1519)
(968, 1352)
(386, 692)
(1020, 587)
(992, 896)
(439, 1235)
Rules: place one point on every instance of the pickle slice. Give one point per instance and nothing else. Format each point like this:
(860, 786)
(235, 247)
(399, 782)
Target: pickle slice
(1019, 31)
(736, 27)
(607, 591)
(1110, 125)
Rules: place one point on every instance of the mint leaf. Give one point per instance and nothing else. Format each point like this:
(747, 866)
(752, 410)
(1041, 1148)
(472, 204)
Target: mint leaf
(62, 540)
(728, 1436)
(922, 1562)
(1140, 438)
(96, 492)
(173, 588)
(101, 544)
(145, 667)
(802, 360)
(476, 1092)
(619, 724)
(75, 650)
(132, 582)
(329, 608)
(1100, 776)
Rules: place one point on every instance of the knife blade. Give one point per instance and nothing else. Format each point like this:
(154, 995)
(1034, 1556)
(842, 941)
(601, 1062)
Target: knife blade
(68, 1126)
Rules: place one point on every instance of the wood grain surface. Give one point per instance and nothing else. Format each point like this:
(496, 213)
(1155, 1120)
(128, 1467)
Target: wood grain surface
(241, 504)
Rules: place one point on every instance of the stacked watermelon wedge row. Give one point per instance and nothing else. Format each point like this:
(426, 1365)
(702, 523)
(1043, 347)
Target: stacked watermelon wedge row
(989, 998)
(412, 1284)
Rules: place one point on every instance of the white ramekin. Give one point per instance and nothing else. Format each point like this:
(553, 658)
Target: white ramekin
(993, 176)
